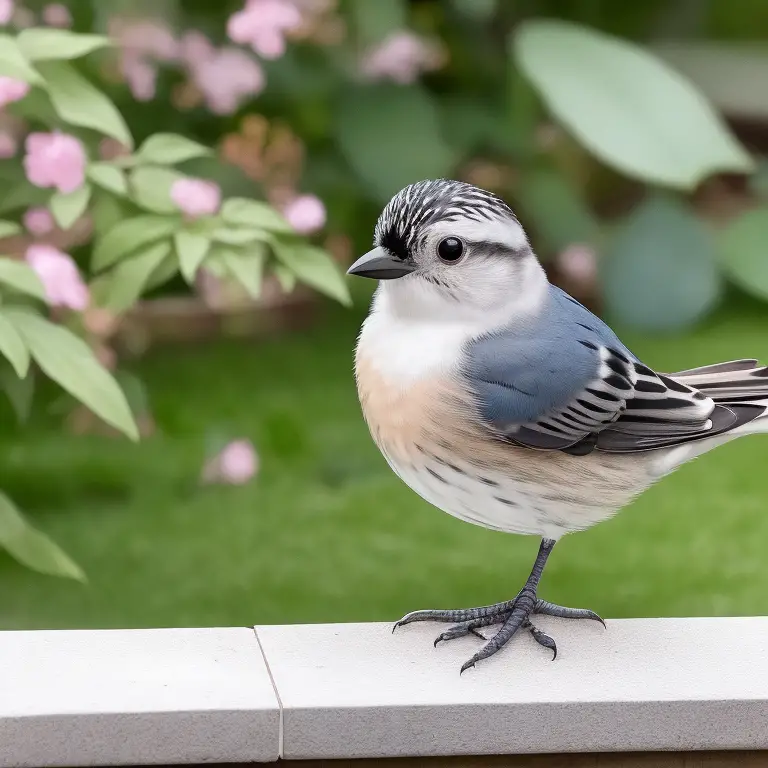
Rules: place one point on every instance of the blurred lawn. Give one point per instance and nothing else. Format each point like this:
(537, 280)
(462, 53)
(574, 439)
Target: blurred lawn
(327, 533)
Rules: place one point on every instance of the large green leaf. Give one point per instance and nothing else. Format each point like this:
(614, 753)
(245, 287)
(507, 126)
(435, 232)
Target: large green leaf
(45, 43)
(130, 277)
(21, 277)
(70, 362)
(68, 208)
(78, 102)
(390, 135)
(246, 268)
(14, 64)
(191, 250)
(557, 211)
(108, 177)
(743, 252)
(169, 149)
(626, 106)
(13, 348)
(31, 547)
(128, 235)
(150, 188)
(314, 267)
(661, 271)
(242, 212)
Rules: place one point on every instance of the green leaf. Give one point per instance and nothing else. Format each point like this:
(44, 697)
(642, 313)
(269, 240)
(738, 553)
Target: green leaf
(743, 254)
(191, 250)
(9, 228)
(70, 362)
(661, 271)
(21, 277)
(150, 188)
(12, 346)
(557, 211)
(79, 103)
(22, 195)
(68, 208)
(315, 267)
(479, 10)
(45, 43)
(240, 211)
(626, 106)
(390, 135)
(169, 149)
(108, 177)
(246, 268)
(285, 277)
(130, 277)
(32, 547)
(375, 19)
(238, 236)
(14, 64)
(20, 392)
(167, 269)
(128, 236)
(107, 212)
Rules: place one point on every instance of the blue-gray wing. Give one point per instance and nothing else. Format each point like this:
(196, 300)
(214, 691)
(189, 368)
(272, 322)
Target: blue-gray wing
(568, 381)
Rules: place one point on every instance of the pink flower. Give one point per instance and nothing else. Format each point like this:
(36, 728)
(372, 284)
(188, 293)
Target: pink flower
(12, 90)
(8, 146)
(262, 24)
(55, 160)
(38, 221)
(57, 15)
(226, 78)
(196, 197)
(578, 262)
(149, 37)
(401, 57)
(58, 273)
(6, 11)
(306, 214)
(236, 464)
(140, 76)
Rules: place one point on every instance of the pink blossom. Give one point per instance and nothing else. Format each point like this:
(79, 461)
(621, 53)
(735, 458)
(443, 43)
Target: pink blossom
(12, 90)
(6, 11)
(140, 76)
(305, 213)
(196, 197)
(8, 145)
(55, 160)
(236, 464)
(578, 262)
(262, 24)
(57, 15)
(227, 78)
(149, 37)
(401, 57)
(195, 47)
(38, 221)
(58, 273)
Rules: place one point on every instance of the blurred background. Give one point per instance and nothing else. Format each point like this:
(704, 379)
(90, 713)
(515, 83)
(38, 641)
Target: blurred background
(630, 138)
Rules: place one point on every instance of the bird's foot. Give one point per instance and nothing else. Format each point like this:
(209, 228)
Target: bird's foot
(513, 615)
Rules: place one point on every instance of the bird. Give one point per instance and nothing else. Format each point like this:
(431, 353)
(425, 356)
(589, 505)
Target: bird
(503, 401)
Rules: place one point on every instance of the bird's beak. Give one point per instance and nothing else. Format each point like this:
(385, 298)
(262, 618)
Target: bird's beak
(380, 265)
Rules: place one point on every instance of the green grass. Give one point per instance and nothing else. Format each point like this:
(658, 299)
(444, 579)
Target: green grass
(327, 533)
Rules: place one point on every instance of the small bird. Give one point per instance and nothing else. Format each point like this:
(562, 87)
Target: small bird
(501, 400)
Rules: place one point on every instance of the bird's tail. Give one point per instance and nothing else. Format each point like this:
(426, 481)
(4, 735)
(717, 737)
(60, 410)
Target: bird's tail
(737, 383)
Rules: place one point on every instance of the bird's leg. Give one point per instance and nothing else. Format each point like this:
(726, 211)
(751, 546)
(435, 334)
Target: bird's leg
(513, 615)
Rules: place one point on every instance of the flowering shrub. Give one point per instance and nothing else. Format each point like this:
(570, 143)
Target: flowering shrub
(145, 222)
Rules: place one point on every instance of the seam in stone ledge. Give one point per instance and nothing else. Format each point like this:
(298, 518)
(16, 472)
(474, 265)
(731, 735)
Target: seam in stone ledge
(280, 749)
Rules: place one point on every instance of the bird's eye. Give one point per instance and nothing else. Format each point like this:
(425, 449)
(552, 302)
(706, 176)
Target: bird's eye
(450, 250)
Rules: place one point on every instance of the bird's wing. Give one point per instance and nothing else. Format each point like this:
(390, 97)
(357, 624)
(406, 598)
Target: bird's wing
(569, 383)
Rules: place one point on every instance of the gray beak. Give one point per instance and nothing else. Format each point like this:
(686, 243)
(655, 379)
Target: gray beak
(380, 265)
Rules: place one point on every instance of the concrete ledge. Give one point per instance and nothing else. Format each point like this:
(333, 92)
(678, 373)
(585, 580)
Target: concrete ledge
(318, 692)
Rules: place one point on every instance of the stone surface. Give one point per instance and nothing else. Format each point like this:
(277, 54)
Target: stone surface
(357, 690)
(129, 697)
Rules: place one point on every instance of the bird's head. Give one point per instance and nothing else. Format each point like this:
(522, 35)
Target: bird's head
(447, 248)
